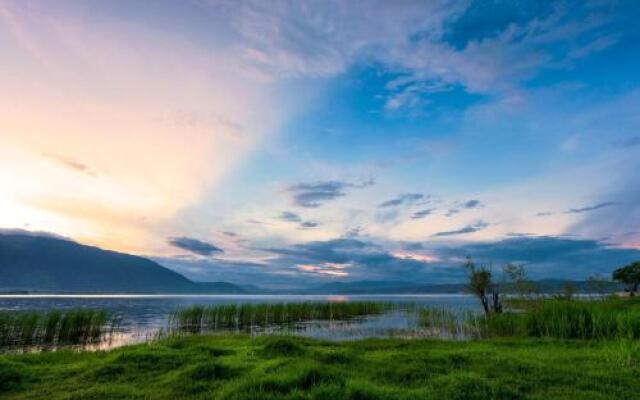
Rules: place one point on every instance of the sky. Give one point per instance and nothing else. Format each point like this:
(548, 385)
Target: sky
(295, 143)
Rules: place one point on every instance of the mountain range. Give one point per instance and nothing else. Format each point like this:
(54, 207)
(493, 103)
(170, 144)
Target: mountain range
(36, 263)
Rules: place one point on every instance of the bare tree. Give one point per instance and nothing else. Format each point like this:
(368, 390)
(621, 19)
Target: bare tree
(481, 285)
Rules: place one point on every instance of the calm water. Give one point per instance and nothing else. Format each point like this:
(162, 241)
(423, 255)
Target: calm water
(142, 316)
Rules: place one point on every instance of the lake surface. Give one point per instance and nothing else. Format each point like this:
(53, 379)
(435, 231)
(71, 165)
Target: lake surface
(143, 316)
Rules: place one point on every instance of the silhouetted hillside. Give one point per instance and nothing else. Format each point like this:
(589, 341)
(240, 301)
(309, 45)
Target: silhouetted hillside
(43, 263)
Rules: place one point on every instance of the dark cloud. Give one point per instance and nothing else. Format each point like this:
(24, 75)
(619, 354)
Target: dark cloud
(478, 226)
(194, 245)
(312, 195)
(230, 234)
(544, 257)
(359, 259)
(422, 213)
(591, 208)
(71, 163)
(548, 256)
(403, 199)
(544, 214)
(309, 224)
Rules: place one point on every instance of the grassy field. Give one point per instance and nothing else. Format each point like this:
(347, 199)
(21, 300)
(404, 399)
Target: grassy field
(280, 367)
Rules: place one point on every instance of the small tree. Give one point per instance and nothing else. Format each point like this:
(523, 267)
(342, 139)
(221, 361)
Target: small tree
(598, 284)
(519, 282)
(481, 285)
(630, 276)
(568, 290)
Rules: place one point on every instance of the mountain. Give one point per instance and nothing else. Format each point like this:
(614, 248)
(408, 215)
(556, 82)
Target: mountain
(385, 287)
(44, 263)
(400, 287)
(220, 288)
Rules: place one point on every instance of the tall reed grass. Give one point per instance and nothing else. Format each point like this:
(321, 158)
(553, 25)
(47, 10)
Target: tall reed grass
(70, 327)
(612, 318)
(243, 316)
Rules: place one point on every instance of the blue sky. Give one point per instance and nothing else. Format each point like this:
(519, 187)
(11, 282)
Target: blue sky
(296, 143)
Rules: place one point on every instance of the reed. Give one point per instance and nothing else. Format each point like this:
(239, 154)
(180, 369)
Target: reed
(242, 316)
(69, 327)
(570, 319)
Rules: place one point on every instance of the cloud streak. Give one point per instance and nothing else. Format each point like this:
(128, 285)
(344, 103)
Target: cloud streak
(403, 199)
(591, 208)
(315, 194)
(194, 245)
(478, 226)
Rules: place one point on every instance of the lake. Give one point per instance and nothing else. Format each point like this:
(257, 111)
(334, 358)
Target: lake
(142, 317)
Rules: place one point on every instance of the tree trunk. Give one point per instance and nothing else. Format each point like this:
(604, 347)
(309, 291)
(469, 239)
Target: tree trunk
(485, 303)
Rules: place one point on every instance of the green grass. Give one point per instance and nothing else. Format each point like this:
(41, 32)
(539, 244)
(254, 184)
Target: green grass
(79, 326)
(612, 318)
(200, 318)
(282, 367)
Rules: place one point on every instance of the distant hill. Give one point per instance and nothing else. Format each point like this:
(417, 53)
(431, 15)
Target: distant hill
(43, 263)
(220, 288)
(400, 287)
(385, 287)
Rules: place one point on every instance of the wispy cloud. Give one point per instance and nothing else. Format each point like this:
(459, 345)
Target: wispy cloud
(71, 163)
(464, 205)
(591, 208)
(313, 195)
(422, 213)
(403, 199)
(289, 216)
(478, 226)
(194, 245)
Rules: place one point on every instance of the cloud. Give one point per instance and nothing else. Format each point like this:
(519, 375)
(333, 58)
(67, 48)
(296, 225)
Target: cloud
(313, 195)
(358, 259)
(290, 217)
(302, 265)
(465, 205)
(403, 199)
(414, 39)
(422, 213)
(478, 226)
(71, 163)
(194, 245)
(548, 256)
(590, 208)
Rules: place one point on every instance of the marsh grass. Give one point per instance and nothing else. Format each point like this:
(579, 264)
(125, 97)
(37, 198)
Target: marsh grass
(240, 317)
(611, 318)
(54, 328)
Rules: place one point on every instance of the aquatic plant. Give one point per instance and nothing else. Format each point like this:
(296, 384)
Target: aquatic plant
(201, 318)
(68, 327)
